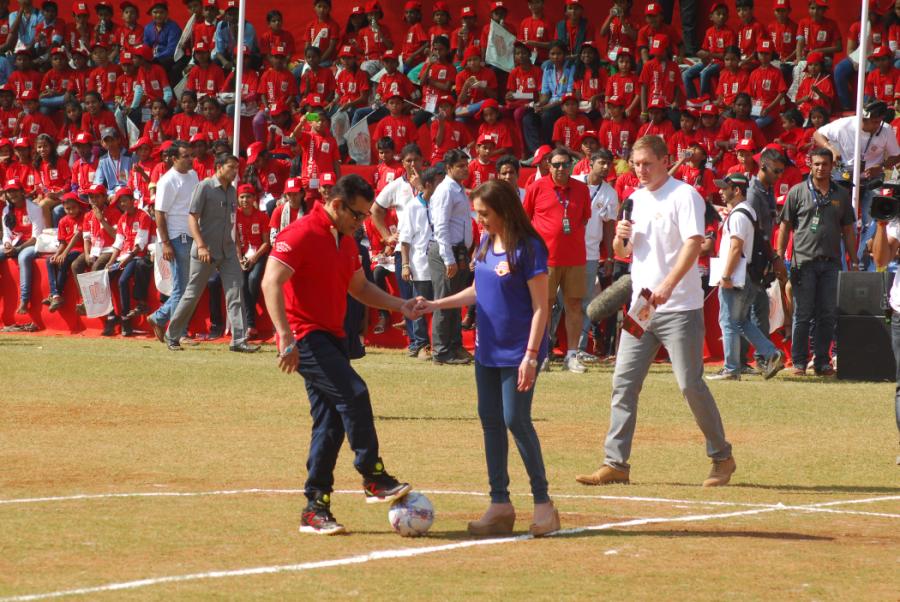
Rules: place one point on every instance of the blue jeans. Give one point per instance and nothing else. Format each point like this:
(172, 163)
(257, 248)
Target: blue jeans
(734, 319)
(52, 103)
(706, 73)
(502, 407)
(423, 288)
(26, 267)
(815, 298)
(137, 270)
(764, 122)
(374, 115)
(868, 224)
(338, 403)
(252, 283)
(843, 75)
(416, 330)
(759, 315)
(57, 275)
(895, 339)
(181, 268)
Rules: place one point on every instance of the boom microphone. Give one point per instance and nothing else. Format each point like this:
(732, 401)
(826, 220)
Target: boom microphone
(626, 215)
(608, 302)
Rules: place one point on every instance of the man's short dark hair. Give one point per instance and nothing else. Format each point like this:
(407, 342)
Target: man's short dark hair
(410, 149)
(386, 143)
(507, 160)
(560, 152)
(176, 147)
(189, 93)
(601, 153)
(821, 152)
(559, 44)
(442, 40)
(431, 174)
(743, 4)
(770, 155)
(223, 158)
(351, 186)
(454, 156)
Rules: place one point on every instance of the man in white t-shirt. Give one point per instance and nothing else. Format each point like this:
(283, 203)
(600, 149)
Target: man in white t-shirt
(414, 234)
(173, 201)
(399, 195)
(737, 291)
(663, 238)
(885, 246)
(599, 230)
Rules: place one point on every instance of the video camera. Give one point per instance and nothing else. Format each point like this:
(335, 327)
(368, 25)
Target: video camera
(886, 204)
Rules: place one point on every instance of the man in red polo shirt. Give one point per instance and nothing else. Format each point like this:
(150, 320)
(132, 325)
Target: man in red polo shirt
(312, 267)
(560, 207)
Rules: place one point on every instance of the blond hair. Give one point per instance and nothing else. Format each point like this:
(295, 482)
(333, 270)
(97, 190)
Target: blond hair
(654, 144)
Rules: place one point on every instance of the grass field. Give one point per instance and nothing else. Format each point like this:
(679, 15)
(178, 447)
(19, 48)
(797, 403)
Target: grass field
(813, 512)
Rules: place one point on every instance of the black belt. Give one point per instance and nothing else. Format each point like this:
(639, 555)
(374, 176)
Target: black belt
(824, 258)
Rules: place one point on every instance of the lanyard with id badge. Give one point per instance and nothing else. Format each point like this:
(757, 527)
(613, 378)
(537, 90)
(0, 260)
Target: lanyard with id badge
(821, 201)
(567, 226)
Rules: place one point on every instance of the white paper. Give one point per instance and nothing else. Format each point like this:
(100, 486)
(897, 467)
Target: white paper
(162, 270)
(776, 306)
(717, 265)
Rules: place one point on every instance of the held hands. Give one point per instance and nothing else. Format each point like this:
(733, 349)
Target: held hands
(418, 306)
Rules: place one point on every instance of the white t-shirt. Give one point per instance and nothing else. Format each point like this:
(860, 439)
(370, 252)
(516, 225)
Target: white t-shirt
(663, 220)
(842, 133)
(398, 194)
(604, 207)
(738, 225)
(893, 231)
(35, 216)
(413, 228)
(173, 196)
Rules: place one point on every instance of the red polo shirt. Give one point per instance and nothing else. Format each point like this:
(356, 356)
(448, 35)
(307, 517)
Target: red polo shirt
(546, 204)
(322, 265)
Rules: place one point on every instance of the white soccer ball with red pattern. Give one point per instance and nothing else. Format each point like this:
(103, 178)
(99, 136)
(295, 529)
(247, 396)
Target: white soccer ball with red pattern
(411, 515)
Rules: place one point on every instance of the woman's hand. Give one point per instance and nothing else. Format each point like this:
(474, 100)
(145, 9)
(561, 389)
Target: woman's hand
(527, 374)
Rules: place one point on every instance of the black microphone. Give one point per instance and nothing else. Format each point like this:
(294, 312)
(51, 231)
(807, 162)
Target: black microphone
(627, 206)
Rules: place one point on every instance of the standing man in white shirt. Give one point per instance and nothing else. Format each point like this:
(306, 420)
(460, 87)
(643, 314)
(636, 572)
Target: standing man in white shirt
(173, 201)
(448, 257)
(663, 238)
(600, 229)
(736, 296)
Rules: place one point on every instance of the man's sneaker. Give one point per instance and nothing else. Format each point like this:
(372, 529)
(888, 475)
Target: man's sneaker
(749, 370)
(382, 487)
(317, 518)
(462, 354)
(572, 364)
(586, 358)
(826, 371)
(606, 475)
(158, 329)
(174, 345)
(424, 354)
(723, 374)
(774, 365)
(721, 472)
(414, 352)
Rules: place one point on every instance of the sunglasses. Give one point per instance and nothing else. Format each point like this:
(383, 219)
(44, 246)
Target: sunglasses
(565, 165)
(357, 215)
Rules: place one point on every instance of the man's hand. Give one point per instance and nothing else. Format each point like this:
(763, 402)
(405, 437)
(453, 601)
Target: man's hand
(623, 229)
(874, 171)
(726, 283)
(409, 309)
(661, 294)
(452, 269)
(168, 251)
(406, 274)
(203, 255)
(288, 362)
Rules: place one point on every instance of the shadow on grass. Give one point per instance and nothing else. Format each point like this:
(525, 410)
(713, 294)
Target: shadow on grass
(806, 488)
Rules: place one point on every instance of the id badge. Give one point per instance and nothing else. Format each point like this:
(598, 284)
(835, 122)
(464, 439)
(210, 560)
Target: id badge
(314, 183)
(814, 224)
(567, 228)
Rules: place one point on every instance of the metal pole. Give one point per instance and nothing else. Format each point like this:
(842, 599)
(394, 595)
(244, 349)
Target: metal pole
(238, 77)
(860, 88)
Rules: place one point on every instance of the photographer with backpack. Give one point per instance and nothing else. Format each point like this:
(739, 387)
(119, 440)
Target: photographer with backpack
(746, 255)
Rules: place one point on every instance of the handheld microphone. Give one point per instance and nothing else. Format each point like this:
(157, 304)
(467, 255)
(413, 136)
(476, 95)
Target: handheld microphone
(627, 206)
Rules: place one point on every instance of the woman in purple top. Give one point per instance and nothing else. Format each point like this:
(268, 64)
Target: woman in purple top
(510, 291)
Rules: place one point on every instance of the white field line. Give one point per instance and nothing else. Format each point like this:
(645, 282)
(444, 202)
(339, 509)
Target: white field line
(264, 491)
(411, 552)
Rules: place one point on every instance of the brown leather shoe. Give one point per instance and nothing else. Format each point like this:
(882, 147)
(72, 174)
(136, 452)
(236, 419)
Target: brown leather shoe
(551, 525)
(721, 472)
(498, 520)
(606, 475)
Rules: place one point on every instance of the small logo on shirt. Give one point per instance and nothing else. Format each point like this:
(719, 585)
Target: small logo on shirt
(283, 247)
(502, 269)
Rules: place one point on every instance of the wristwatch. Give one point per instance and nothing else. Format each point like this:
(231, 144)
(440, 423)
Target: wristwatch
(532, 362)
(725, 278)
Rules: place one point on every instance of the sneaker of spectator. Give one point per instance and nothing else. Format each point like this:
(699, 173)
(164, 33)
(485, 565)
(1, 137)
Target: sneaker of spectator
(749, 370)
(586, 358)
(723, 375)
(572, 364)
(774, 365)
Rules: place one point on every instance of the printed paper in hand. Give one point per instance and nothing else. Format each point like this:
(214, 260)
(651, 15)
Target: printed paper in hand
(638, 318)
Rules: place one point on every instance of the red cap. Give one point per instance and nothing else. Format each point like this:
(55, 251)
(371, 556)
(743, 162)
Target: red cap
(166, 145)
(589, 134)
(822, 3)
(815, 57)
(103, 4)
(616, 100)
(71, 196)
(12, 184)
(126, 58)
(717, 5)
(657, 102)
(21, 142)
(659, 45)
(745, 144)
(292, 185)
(327, 179)
(58, 50)
(446, 99)
(709, 109)
(392, 95)
(140, 142)
(488, 103)
(541, 153)
(211, 3)
(625, 50)
(84, 138)
(22, 49)
(485, 138)
(573, 2)
(97, 189)
(412, 5)
(880, 53)
(145, 52)
(99, 44)
(279, 50)
(467, 11)
(5, 142)
(346, 50)
(278, 108)
(254, 151)
(779, 4)
(198, 137)
(498, 4)
(80, 8)
(765, 45)
(358, 10)
(122, 192)
(30, 94)
(231, 4)
(163, 5)
(471, 51)
(654, 8)
(247, 189)
(568, 97)
(390, 54)
(201, 46)
(314, 100)
(372, 6)
(441, 6)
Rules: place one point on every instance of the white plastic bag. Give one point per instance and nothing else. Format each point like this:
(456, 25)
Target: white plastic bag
(96, 293)
(776, 307)
(47, 241)
(162, 271)
(359, 142)
(340, 123)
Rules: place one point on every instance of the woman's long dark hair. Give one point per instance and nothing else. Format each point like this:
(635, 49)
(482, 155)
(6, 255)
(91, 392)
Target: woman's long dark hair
(502, 198)
(595, 66)
(53, 158)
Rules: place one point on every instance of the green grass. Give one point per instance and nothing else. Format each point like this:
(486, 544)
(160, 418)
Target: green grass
(98, 416)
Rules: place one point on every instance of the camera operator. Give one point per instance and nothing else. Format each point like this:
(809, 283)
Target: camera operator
(885, 245)
(880, 151)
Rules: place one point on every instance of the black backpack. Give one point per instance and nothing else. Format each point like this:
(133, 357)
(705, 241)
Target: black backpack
(759, 265)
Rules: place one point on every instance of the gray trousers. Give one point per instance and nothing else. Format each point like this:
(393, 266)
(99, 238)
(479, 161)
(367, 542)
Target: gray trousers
(446, 324)
(682, 335)
(232, 281)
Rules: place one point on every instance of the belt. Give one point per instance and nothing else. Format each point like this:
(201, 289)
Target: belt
(824, 258)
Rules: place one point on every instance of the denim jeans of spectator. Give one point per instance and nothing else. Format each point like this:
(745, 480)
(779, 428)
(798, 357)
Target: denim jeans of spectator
(764, 122)
(49, 104)
(815, 285)
(339, 404)
(416, 330)
(136, 272)
(682, 334)
(181, 267)
(867, 232)
(252, 283)
(446, 324)
(735, 321)
(759, 315)
(58, 275)
(844, 73)
(374, 115)
(422, 288)
(25, 259)
(469, 110)
(706, 73)
(895, 339)
(502, 407)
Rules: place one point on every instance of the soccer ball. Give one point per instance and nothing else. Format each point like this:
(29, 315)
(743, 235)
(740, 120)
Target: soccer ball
(411, 515)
